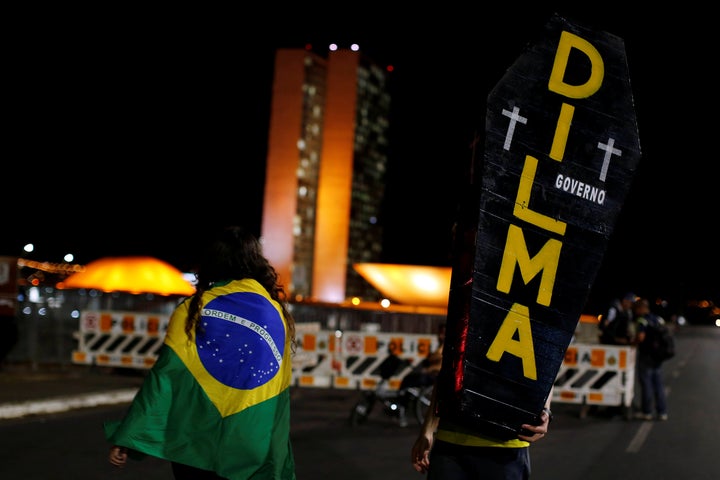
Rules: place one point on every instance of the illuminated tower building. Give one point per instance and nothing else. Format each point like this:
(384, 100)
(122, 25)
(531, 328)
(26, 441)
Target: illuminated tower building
(325, 178)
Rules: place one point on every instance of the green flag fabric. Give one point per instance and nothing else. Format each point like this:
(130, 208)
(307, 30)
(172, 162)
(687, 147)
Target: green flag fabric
(221, 400)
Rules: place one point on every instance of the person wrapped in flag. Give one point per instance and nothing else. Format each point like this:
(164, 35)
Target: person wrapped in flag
(216, 404)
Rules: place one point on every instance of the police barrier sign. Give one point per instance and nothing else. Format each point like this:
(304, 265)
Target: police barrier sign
(590, 374)
(561, 148)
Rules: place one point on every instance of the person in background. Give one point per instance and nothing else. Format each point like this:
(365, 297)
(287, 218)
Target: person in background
(216, 403)
(618, 327)
(448, 451)
(423, 375)
(428, 369)
(650, 374)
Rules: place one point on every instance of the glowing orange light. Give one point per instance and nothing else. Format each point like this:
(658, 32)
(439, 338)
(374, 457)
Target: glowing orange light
(409, 284)
(131, 274)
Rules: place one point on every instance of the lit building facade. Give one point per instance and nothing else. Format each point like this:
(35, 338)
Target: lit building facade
(325, 174)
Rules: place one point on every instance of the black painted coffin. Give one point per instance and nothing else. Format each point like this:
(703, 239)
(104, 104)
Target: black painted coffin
(561, 148)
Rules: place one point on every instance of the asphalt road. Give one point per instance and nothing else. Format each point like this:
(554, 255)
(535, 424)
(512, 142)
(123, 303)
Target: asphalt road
(70, 445)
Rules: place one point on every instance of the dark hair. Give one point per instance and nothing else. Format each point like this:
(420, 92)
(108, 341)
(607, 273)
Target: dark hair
(235, 254)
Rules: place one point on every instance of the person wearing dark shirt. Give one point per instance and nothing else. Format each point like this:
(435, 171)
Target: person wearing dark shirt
(650, 373)
(617, 327)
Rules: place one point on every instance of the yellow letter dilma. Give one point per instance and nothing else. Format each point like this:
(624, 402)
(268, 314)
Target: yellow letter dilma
(597, 71)
(517, 320)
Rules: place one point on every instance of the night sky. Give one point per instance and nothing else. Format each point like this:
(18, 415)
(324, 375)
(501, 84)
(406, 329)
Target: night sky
(135, 134)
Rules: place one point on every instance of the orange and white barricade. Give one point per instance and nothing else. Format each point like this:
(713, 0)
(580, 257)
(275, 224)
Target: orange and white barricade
(596, 375)
(119, 339)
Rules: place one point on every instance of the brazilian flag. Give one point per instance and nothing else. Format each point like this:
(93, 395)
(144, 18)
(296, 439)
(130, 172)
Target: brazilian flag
(219, 401)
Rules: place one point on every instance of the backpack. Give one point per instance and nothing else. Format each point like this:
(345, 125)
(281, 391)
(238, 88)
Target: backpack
(659, 341)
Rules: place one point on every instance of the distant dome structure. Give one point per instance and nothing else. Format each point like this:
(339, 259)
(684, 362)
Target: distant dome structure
(135, 275)
(409, 284)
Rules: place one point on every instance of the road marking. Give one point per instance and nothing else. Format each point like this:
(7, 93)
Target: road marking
(63, 404)
(639, 438)
(637, 442)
